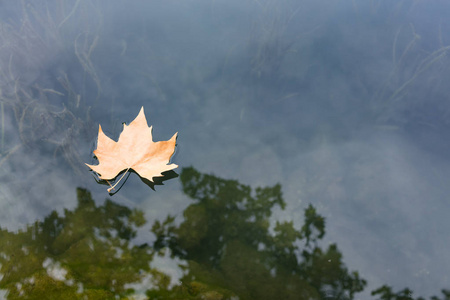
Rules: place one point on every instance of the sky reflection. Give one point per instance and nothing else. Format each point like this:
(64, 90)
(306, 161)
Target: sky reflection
(344, 104)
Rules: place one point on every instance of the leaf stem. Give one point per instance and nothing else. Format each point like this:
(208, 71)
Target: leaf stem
(112, 186)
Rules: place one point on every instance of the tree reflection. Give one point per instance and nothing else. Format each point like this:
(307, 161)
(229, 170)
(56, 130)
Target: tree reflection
(85, 253)
(226, 239)
(385, 293)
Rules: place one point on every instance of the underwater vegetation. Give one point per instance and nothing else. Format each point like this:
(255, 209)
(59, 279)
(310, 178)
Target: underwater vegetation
(48, 84)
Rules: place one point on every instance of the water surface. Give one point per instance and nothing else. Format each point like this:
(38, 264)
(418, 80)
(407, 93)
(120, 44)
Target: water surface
(313, 149)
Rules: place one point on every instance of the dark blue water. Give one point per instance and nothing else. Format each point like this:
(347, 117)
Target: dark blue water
(312, 150)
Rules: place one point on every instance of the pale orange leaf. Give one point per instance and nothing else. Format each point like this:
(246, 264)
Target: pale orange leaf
(135, 150)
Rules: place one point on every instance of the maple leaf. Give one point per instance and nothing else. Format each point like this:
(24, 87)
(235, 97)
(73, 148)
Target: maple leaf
(135, 150)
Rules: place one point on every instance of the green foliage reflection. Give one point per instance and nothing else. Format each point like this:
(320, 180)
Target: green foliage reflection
(86, 252)
(385, 293)
(226, 239)
(229, 249)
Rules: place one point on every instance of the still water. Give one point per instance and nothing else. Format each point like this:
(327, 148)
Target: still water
(312, 149)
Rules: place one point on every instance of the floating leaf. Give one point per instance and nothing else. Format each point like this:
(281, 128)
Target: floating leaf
(135, 150)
